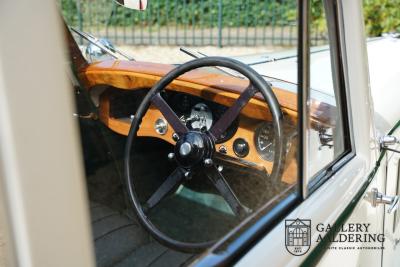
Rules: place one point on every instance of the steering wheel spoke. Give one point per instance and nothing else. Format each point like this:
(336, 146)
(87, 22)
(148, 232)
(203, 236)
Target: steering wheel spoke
(169, 114)
(231, 114)
(170, 184)
(226, 191)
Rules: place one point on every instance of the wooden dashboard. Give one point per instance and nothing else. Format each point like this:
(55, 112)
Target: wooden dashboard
(215, 87)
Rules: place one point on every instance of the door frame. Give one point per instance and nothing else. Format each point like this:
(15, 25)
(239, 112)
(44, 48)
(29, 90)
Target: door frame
(41, 175)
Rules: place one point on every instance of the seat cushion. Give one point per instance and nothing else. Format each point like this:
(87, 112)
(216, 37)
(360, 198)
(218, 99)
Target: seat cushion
(121, 241)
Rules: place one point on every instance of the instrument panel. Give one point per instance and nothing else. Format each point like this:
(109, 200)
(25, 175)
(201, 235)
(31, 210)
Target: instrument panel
(124, 84)
(248, 141)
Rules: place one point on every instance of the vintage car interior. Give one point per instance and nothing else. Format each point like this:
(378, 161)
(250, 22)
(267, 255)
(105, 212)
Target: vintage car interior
(178, 156)
(108, 156)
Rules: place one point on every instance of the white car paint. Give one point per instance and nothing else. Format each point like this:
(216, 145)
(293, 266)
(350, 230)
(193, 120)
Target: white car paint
(384, 59)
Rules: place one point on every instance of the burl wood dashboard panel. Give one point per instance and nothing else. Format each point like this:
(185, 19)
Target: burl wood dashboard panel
(215, 87)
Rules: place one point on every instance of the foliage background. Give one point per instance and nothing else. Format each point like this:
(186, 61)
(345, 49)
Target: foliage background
(380, 15)
(163, 12)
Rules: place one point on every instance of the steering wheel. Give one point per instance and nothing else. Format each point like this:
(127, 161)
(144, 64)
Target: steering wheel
(195, 150)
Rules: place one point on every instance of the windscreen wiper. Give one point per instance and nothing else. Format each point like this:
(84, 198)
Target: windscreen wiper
(196, 54)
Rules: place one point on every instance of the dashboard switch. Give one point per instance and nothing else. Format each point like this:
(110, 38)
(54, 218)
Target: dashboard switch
(161, 126)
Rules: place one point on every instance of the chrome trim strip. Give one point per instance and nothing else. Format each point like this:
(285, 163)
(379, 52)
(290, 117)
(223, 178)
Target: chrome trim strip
(304, 95)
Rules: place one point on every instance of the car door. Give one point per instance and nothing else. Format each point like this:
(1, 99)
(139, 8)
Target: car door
(391, 250)
(40, 168)
(383, 55)
(391, 224)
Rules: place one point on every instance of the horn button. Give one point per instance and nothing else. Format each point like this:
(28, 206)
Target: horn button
(192, 148)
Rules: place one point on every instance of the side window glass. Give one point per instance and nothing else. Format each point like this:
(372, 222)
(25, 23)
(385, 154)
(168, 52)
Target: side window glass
(207, 152)
(326, 138)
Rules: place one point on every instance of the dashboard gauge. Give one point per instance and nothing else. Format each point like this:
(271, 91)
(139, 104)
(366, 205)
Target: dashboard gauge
(201, 117)
(199, 114)
(264, 140)
(241, 147)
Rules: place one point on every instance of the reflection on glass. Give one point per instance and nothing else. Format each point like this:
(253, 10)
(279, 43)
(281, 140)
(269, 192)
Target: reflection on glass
(200, 162)
(325, 134)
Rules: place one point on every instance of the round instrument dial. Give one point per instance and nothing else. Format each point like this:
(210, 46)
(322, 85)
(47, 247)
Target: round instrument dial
(201, 117)
(265, 141)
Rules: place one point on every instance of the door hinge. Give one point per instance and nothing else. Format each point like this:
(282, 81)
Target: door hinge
(389, 140)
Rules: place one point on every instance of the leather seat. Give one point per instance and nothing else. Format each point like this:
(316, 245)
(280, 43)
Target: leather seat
(120, 241)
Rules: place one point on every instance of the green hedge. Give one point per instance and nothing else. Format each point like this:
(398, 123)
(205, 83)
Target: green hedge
(234, 13)
(380, 15)
(185, 12)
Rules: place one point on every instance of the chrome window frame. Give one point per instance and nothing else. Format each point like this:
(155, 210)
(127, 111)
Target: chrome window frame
(334, 16)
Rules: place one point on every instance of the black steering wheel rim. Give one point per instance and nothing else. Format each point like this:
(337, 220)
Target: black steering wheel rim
(255, 80)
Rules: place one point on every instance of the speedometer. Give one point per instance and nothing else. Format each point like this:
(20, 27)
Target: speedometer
(265, 141)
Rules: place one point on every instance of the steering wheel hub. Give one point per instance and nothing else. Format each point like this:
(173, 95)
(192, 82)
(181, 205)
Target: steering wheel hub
(185, 149)
(192, 148)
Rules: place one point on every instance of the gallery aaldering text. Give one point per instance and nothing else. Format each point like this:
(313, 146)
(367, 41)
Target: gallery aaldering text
(351, 232)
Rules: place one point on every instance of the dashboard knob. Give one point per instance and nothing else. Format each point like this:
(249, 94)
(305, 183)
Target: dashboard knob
(241, 147)
(171, 156)
(208, 162)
